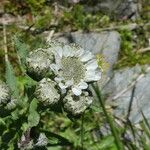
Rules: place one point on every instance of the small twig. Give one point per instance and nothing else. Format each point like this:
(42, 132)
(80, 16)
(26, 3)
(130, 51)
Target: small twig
(130, 26)
(49, 38)
(143, 50)
(82, 131)
(5, 42)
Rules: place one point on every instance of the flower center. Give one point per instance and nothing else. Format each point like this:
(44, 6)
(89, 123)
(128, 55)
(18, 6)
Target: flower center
(72, 68)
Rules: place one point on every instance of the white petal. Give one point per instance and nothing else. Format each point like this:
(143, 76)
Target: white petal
(79, 52)
(98, 75)
(67, 51)
(54, 68)
(59, 51)
(57, 59)
(62, 86)
(23, 138)
(57, 79)
(86, 56)
(91, 65)
(69, 83)
(63, 91)
(92, 76)
(77, 91)
(83, 85)
(89, 78)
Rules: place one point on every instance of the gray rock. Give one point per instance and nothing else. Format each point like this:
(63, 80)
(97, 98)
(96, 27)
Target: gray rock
(105, 43)
(120, 9)
(141, 101)
(141, 97)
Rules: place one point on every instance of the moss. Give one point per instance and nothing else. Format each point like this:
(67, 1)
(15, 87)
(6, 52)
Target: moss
(129, 54)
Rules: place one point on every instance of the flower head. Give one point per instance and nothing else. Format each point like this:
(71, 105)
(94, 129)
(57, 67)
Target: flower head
(46, 92)
(76, 105)
(4, 93)
(74, 67)
(38, 62)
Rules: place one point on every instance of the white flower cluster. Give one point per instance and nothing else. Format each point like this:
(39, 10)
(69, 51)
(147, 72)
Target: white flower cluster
(4, 93)
(64, 70)
(5, 97)
(26, 142)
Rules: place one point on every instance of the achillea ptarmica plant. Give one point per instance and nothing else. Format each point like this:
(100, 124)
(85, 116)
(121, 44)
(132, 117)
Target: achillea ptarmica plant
(4, 93)
(46, 92)
(38, 62)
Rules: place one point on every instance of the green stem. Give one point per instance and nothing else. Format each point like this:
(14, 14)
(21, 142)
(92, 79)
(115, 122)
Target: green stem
(82, 131)
(109, 119)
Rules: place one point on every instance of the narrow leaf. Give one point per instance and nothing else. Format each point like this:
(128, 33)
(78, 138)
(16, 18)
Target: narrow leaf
(11, 79)
(22, 49)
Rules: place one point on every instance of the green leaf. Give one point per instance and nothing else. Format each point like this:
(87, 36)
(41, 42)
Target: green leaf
(11, 79)
(109, 118)
(34, 117)
(107, 142)
(15, 114)
(2, 122)
(54, 148)
(22, 49)
(56, 139)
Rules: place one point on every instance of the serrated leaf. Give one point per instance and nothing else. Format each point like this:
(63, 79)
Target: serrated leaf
(11, 79)
(22, 49)
(34, 117)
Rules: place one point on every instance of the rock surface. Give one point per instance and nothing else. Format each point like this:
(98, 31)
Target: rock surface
(140, 92)
(126, 9)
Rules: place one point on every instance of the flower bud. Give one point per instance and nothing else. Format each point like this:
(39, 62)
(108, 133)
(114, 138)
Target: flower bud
(46, 92)
(38, 63)
(76, 105)
(4, 93)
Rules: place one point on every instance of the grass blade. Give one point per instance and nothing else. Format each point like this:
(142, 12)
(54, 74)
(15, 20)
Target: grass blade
(109, 119)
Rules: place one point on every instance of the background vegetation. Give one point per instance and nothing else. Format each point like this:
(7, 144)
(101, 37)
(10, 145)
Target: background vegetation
(97, 128)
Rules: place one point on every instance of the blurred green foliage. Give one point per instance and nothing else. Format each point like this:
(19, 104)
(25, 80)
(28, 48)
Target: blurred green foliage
(64, 132)
(129, 53)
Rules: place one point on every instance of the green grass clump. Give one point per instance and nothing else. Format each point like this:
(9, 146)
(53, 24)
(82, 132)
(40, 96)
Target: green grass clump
(129, 52)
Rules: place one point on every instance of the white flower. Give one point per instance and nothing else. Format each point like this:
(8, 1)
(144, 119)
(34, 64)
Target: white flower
(76, 105)
(74, 68)
(42, 140)
(4, 93)
(38, 62)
